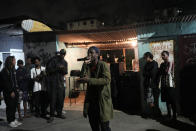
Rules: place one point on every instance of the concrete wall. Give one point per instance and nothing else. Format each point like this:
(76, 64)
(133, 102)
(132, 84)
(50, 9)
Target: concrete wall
(11, 43)
(71, 57)
(42, 45)
(8, 42)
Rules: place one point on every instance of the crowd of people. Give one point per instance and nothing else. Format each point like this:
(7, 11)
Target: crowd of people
(153, 75)
(37, 86)
(42, 87)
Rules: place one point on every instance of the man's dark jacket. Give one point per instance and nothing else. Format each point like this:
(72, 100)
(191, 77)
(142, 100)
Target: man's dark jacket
(150, 74)
(56, 74)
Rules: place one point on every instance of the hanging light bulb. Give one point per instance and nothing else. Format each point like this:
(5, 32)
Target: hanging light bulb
(134, 43)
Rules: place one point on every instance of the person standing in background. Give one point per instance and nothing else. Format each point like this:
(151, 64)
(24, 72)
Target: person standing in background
(10, 90)
(37, 75)
(20, 74)
(23, 86)
(168, 92)
(151, 86)
(29, 82)
(56, 70)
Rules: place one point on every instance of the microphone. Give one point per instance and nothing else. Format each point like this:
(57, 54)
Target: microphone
(83, 59)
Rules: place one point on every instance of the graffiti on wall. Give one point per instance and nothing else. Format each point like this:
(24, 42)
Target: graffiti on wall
(43, 50)
(190, 50)
(187, 50)
(158, 47)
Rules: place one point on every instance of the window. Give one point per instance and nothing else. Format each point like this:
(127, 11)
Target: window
(84, 23)
(92, 22)
(110, 56)
(130, 55)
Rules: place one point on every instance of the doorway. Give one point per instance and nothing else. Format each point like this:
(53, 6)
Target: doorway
(156, 49)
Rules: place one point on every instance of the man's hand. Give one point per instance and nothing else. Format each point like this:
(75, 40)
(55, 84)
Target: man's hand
(83, 80)
(37, 78)
(151, 104)
(13, 95)
(88, 61)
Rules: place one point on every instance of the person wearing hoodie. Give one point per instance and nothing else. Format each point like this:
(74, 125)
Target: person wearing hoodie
(10, 93)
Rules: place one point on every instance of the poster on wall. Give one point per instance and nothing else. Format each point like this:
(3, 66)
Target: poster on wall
(158, 47)
(1, 57)
(187, 49)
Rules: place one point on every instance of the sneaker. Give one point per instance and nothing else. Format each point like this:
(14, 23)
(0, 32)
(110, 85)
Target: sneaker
(64, 112)
(13, 124)
(61, 116)
(50, 120)
(20, 119)
(17, 123)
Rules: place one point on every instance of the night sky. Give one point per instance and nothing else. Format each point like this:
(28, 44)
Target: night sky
(112, 12)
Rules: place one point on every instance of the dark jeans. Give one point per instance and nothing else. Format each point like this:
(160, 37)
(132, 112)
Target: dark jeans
(156, 109)
(156, 94)
(11, 105)
(44, 102)
(171, 101)
(41, 102)
(30, 84)
(95, 126)
(56, 100)
(94, 119)
(37, 102)
(31, 102)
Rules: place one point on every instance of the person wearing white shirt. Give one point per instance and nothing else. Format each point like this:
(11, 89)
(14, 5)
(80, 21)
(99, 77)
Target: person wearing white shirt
(37, 74)
(168, 91)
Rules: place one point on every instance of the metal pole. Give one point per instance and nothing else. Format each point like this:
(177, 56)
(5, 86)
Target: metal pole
(69, 92)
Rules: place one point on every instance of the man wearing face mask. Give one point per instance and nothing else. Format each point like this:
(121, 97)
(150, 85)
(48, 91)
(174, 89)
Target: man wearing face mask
(56, 70)
(98, 102)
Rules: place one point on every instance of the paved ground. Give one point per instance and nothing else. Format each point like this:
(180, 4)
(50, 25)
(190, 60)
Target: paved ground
(75, 122)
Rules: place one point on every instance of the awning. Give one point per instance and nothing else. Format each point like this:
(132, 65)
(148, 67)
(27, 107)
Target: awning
(34, 26)
(101, 36)
(115, 34)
